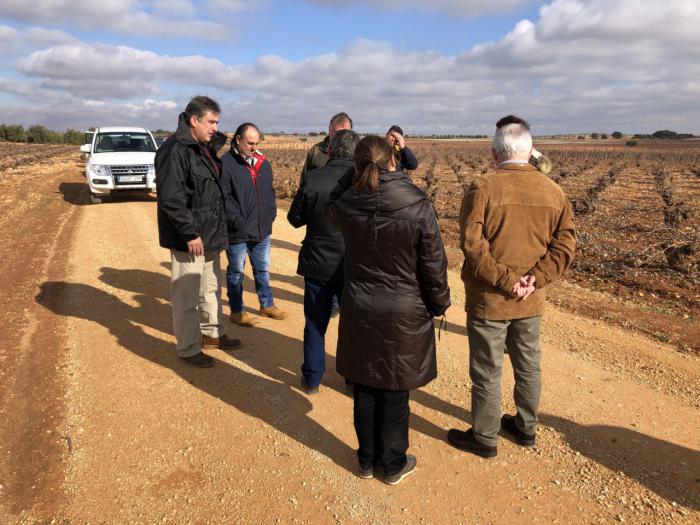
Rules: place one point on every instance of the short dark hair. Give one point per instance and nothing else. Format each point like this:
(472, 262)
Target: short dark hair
(200, 106)
(343, 144)
(396, 128)
(240, 130)
(339, 118)
(512, 119)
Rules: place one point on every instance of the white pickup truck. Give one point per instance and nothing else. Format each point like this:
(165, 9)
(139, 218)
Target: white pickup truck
(119, 159)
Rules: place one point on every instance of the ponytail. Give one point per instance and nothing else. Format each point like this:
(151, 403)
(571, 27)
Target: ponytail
(372, 156)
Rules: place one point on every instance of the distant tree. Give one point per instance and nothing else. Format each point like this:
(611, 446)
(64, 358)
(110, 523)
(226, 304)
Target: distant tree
(313, 134)
(616, 135)
(603, 135)
(581, 137)
(631, 143)
(72, 136)
(14, 133)
(38, 134)
(322, 133)
(595, 136)
(668, 134)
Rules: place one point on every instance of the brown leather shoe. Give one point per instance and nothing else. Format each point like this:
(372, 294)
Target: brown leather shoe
(273, 312)
(242, 319)
(222, 343)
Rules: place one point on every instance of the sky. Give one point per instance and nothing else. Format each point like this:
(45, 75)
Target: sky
(438, 66)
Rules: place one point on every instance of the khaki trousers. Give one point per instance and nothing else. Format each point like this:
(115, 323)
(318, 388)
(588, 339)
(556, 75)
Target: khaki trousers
(196, 299)
(487, 342)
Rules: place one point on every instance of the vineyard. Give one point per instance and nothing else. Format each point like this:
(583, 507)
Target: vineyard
(636, 213)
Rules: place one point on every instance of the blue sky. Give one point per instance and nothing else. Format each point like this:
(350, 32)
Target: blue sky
(446, 66)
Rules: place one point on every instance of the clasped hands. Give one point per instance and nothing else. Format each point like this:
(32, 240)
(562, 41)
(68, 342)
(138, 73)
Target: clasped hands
(524, 287)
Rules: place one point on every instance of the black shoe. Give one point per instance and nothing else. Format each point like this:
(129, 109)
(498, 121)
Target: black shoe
(467, 442)
(508, 425)
(310, 390)
(200, 360)
(366, 472)
(407, 469)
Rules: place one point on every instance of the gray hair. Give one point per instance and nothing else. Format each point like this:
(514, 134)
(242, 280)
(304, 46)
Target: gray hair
(339, 118)
(343, 144)
(512, 140)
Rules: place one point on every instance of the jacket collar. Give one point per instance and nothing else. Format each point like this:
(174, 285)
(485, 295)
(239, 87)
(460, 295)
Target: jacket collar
(518, 167)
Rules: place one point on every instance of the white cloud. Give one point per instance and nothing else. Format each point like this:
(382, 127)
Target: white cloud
(570, 70)
(124, 16)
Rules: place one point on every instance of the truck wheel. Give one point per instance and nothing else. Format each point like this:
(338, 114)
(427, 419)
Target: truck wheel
(94, 199)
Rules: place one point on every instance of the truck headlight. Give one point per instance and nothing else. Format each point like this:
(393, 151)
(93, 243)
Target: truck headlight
(98, 170)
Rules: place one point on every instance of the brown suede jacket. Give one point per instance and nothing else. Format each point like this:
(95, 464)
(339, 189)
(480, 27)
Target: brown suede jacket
(513, 222)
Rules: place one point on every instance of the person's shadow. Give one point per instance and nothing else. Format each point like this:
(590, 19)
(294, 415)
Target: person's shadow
(671, 471)
(281, 354)
(271, 401)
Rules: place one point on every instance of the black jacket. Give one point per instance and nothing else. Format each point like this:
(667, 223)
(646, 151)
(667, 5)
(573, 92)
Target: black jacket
(190, 198)
(322, 250)
(407, 160)
(250, 207)
(395, 282)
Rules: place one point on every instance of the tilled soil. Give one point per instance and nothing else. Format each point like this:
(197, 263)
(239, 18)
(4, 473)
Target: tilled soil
(103, 424)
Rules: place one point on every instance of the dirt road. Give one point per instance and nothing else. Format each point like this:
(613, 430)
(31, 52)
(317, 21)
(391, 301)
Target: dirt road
(102, 423)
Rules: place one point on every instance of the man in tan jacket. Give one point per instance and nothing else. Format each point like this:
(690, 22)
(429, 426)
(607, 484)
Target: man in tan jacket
(517, 234)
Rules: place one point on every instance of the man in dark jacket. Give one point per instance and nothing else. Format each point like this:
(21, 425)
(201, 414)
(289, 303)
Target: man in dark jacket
(318, 154)
(192, 225)
(405, 159)
(517, 234)
(321, 254)
(250, 211)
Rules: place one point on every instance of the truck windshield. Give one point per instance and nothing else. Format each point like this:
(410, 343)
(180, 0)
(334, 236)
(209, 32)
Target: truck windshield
(116, 141)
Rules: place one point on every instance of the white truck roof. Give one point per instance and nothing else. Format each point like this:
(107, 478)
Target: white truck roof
(118, 129)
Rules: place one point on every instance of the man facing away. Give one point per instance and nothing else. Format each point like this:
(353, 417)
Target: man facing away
(318, 154)
(192, 225)
(251, 209)
(517, 234)
(322, 252)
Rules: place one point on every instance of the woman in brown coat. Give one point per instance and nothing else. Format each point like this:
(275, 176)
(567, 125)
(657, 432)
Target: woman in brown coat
(395, 283)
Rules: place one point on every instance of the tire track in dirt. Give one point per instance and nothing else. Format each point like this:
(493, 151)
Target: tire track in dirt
(40, 228)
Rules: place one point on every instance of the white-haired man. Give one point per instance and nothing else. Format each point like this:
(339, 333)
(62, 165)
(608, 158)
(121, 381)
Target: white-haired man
(517, 234)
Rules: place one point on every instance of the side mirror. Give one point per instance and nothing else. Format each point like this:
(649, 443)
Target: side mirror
(85, 148)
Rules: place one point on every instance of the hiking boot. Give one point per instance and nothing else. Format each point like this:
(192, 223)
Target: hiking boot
(366, 472)
(508, 425)
(407, 469)
(242, 319)
(310, 390)
(200, 360)
(467, 442)
(273, 312)
(222, 343)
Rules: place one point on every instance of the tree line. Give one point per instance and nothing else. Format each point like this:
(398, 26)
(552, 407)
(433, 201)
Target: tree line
(39, 134)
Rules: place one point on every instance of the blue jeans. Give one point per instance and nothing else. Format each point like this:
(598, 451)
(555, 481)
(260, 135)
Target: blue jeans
(259, 254)
(317, 312)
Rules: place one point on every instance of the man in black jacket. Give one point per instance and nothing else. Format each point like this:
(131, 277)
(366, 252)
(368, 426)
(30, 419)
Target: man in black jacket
(192, 225)
(251, 209)
(322, 251)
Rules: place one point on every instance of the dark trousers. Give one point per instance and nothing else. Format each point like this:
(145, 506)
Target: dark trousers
(318, 297)
(381, 424)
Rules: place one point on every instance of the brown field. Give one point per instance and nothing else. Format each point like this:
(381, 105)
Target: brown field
(636, 212)
(102, 423)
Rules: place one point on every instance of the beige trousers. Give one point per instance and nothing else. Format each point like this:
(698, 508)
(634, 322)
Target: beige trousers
(196, 299)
